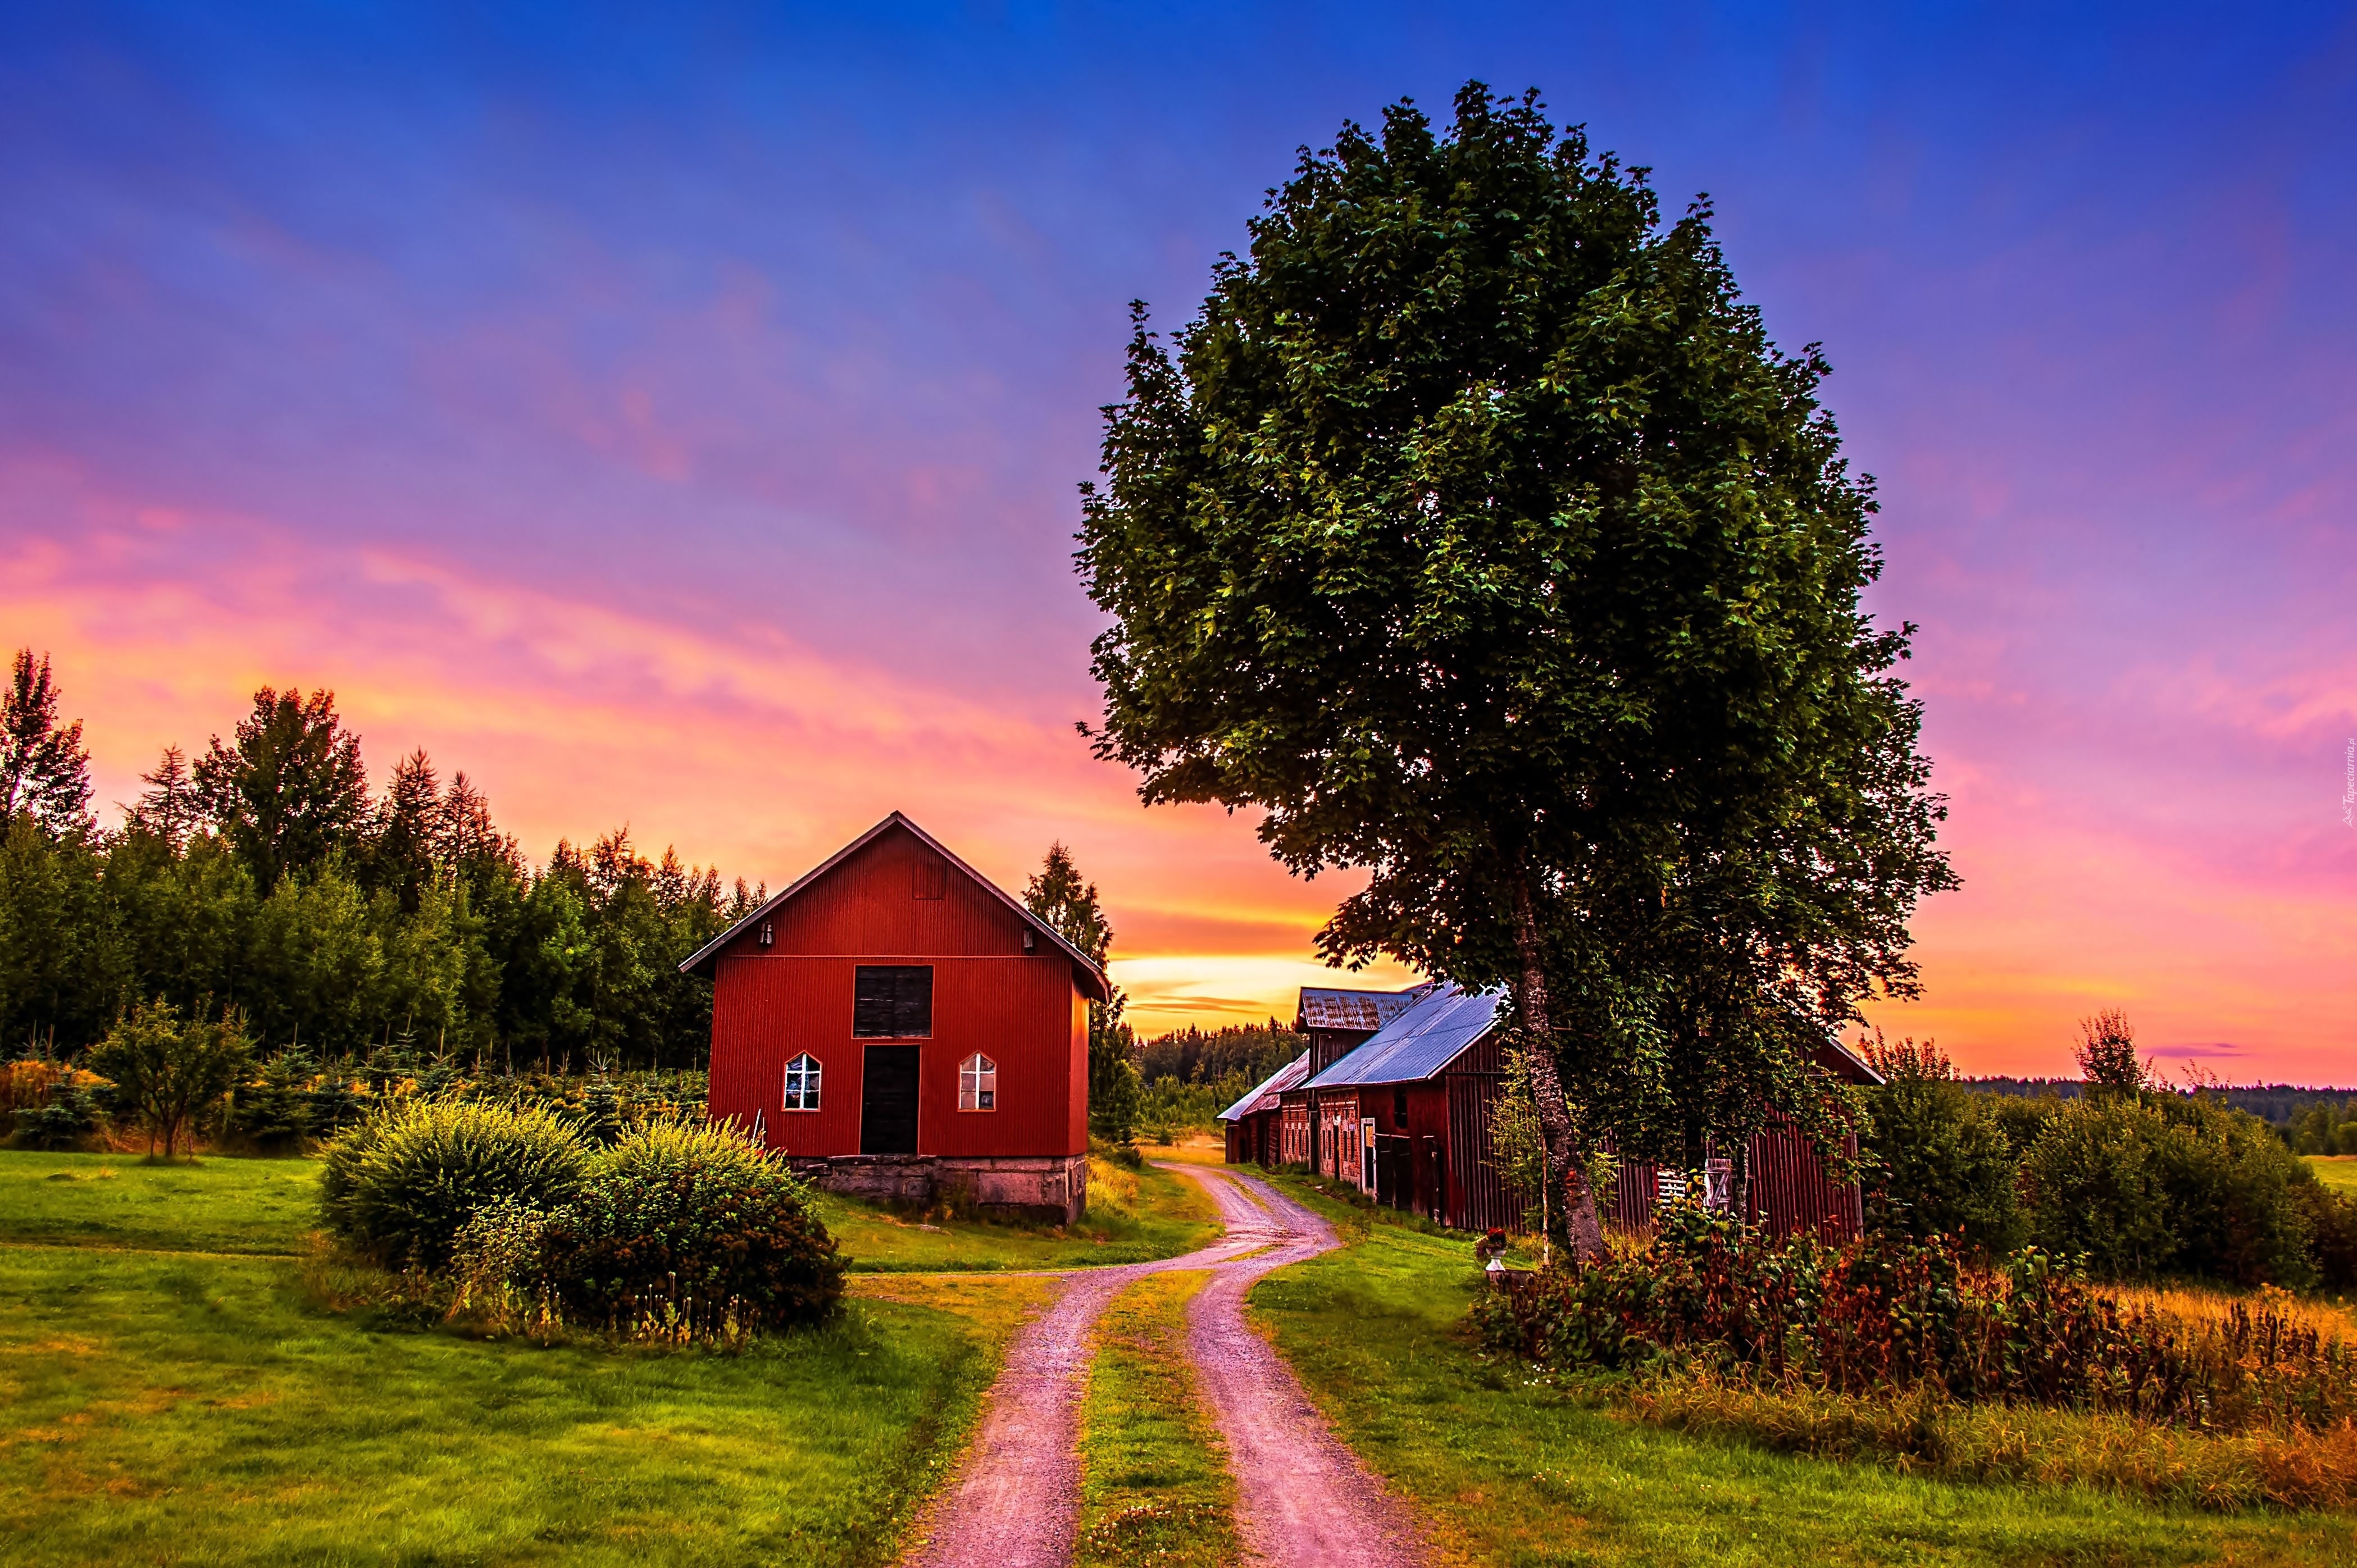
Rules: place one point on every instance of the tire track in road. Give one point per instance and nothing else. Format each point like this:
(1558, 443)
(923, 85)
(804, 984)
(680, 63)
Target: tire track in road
(1302, 1498)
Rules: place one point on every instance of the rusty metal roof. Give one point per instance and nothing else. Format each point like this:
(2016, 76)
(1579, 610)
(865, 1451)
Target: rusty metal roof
(1263, 1096)
(1322, 1009)
(1419, 1041)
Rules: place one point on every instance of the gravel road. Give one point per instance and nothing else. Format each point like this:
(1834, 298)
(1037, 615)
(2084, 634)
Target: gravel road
(1302, 1498)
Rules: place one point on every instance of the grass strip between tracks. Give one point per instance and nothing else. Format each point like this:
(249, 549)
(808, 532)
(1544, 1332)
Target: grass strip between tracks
(1155, 1485)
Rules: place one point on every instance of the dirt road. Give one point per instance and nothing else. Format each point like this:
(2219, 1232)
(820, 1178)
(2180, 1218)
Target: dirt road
(1302, 1498)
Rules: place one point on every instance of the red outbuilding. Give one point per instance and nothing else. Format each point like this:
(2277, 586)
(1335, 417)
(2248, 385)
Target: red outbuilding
(900, 1029)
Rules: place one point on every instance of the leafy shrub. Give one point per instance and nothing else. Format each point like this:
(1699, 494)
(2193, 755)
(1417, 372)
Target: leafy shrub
(1939, 1162)
(2141, 1183)
(399, 1187)
(2095, 1188)
(1882, 1315)
(2332, 1221)
(691, 1233)
(170, 1072)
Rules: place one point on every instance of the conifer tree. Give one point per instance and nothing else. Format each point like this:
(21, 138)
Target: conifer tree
(1058, 895)
(43, 767)
(289, 790)
(169, 807)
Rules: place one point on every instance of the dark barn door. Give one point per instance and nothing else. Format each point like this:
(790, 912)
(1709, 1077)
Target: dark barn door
(887, 1101)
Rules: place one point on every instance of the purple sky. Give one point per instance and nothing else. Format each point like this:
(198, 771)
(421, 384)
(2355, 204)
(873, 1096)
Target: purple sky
(676, 422)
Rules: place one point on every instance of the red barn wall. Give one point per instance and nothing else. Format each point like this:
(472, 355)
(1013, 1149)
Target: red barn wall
(1022, 1010)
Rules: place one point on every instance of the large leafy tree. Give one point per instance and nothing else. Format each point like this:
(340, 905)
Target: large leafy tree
(1477, 536)
(289, 788)
(43, 767)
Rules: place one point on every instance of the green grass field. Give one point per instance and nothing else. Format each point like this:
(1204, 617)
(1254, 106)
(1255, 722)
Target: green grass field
(2338, 1172)
(1519, 1475)
(170, 1392)
(266, 1207)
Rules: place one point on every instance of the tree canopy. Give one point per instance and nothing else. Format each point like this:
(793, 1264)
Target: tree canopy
(1477, 536)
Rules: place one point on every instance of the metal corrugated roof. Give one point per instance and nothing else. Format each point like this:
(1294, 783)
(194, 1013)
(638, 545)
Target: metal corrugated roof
(1325, 1009)
(1420, 1042)
(1268, 1089)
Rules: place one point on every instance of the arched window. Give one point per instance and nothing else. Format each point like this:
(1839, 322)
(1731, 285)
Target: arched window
(801, 1083)
(977, 1083)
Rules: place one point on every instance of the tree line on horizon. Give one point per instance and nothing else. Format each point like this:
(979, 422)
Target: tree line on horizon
(265, 879)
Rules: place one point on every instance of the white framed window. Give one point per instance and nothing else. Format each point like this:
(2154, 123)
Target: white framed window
(977, 1083)
(801, 1083)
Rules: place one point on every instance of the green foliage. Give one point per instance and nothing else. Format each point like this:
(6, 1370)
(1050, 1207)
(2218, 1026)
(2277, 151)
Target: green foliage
(694, 1231)
(169, 1072)
(272, 1111)
(1476, 535)
(2139, 1184)
(1938, 1158)
(1249, 1051)
(346, 928)
(65, 1121)
(2107, 1057)
(289, 789)
(1884, 1313)
(44, 769)
(401, 1187)
(1058, 895)
(2325, 1127)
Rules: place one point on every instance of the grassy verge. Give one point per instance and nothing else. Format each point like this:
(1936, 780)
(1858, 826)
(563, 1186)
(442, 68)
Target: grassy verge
(1155, 1485)
(1509, 1471)
(170, 1407)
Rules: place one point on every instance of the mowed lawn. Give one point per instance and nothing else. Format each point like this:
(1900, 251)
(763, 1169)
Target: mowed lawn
(1511, 1474)
(168, 1393)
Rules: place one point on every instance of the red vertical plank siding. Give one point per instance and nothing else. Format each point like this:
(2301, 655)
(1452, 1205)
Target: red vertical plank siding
(1025, 1011)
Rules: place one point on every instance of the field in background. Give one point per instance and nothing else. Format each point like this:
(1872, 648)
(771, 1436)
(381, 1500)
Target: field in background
(1514, 1472)
(2338, 1172)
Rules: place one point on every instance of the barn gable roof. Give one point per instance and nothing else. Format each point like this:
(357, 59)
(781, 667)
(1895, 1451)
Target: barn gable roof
(1263, 1095)
(1092, 979)
(1418, 1043)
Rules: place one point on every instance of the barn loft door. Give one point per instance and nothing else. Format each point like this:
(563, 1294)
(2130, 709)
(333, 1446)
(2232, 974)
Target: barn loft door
(887, 1101)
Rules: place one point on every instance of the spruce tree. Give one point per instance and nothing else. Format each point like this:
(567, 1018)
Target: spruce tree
(43, 769)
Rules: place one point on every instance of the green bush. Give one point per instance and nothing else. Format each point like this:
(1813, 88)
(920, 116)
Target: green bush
(401, 1186)
(692, 1232)
(2095, 1189)
(2332, 1221)
(2142, 1182)
(1940, 1164)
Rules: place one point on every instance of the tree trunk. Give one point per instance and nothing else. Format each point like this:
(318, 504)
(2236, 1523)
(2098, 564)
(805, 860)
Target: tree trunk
(1573, 1222)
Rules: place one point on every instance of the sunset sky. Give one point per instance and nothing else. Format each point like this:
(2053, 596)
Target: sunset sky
(676, 422)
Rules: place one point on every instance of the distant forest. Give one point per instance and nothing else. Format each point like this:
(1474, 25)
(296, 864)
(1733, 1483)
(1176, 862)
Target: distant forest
(2280, 1105)
(265, 876)
(400, 928)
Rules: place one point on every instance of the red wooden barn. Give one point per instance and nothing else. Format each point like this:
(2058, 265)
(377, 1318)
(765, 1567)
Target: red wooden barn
(1402, 1110)
(900, 1029)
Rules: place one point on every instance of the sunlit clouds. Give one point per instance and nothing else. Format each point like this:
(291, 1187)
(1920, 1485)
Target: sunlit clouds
(679, 427)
